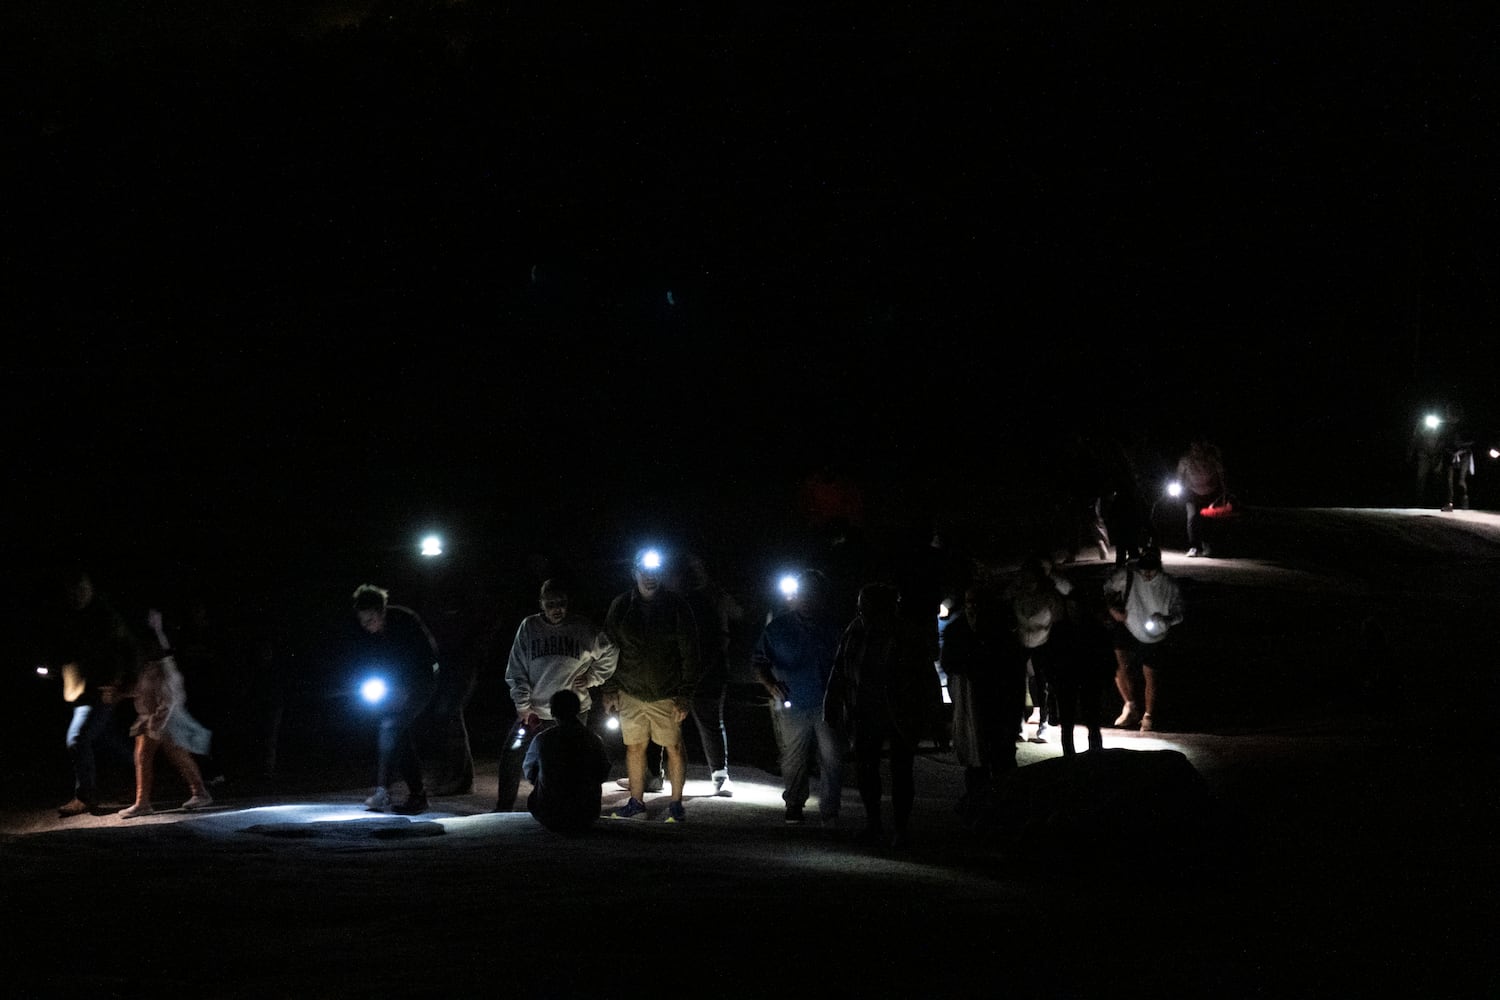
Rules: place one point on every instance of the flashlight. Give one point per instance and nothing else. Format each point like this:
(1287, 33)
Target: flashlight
(1432, 421)
(612, 723)
(650, 560)
(1174, 489)
(788, 586)
(374, 690)
(432, 546)
(42, 671)
(520, 738)
(787, 703)
(1151, 625)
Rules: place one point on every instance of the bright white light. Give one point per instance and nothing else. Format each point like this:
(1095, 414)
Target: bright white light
(1174, 489)
(1150, 624)
(612, 723)
(1495, 453)
(43, 672)
(520, 738)
(374, 690)
(787, 703)
(788, 586)
(944, 609)
(651, 560)
(432, 545)
(1432, 421)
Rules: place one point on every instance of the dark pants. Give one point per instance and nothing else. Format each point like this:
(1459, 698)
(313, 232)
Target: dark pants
(708, 715)
(870, 738)
(397, 749)
(1197, 524)
(513, 757)
(455, 771)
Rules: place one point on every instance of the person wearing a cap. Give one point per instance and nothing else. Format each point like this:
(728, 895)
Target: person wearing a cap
(1145, 604)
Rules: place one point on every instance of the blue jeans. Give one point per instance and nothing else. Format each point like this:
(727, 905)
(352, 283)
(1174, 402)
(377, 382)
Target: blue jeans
(801, 732)
(88, 727)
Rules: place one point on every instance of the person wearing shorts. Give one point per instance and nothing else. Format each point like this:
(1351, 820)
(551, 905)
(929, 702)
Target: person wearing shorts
(655, 675)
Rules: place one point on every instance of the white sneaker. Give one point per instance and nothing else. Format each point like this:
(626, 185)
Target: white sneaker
(131, 812)
(379, 802)
(1192, 553)
(723, 787)
(202, 801)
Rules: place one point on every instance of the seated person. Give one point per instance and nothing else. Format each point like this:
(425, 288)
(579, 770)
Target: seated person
(566, 766)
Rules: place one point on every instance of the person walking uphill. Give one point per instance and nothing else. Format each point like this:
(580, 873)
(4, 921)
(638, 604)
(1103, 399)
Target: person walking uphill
(792, 659)
(1145, 604)
(654, 679)
(878, 693)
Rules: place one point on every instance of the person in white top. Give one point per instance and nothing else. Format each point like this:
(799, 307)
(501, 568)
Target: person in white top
(1146, 604)
(553, 651)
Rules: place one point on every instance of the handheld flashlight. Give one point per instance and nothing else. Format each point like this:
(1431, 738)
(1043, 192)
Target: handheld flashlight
(788, 586)
(787, 703)
(1174, 489)
(1151, 625)
(374, 690)
(1432, 421)
(520, 738)
(43, 671)
(612, 723)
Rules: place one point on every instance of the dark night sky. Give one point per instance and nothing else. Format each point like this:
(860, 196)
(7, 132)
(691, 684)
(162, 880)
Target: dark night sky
(279, 276)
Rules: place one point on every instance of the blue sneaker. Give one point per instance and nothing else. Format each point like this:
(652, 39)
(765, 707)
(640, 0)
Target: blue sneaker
(632, 809)
(676, 814)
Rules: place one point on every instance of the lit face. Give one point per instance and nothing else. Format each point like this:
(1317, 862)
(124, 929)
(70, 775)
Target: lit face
(372, 621)
(647, 583)
(554, 608)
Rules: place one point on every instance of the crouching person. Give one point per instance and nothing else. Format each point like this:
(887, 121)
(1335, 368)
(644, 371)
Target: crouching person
(566, 766)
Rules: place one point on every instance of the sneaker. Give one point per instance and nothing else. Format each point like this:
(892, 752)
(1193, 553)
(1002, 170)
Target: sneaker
(379, 802)
(722, 785)
(200, 801)
(1447, 508)
(632, 809)
(131, 812)
(675, 813)
(1128, 716)
(1193, 552)
(1146, 724)
(793, 816)
(1041, 733)
(76, 807)
(415, 805)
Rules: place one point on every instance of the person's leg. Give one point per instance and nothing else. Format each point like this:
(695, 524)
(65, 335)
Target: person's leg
(1125, 684)
(89, 725)
(831, 768)
(145, 770)
(1067, 703)
(708, 716)
(1150, 675)
(635, 770)
(676, 769)
(867, 768)
(903, 784)
(512, 755)
(795, 735)
(191, 773)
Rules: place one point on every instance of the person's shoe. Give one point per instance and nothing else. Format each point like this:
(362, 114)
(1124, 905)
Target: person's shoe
(722, 785)
(653, 783)
(379, 802)
(415, 805)
(632, 809)
(793, 816)
(675, 813)
(131, 812)
(1147, 725)
(1041, 733)
(1128, 716)
(76, 807)
(1193, 552)
(1447, 508)
(202, 800)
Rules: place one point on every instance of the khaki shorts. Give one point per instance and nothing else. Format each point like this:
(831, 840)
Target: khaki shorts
(655, 721)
